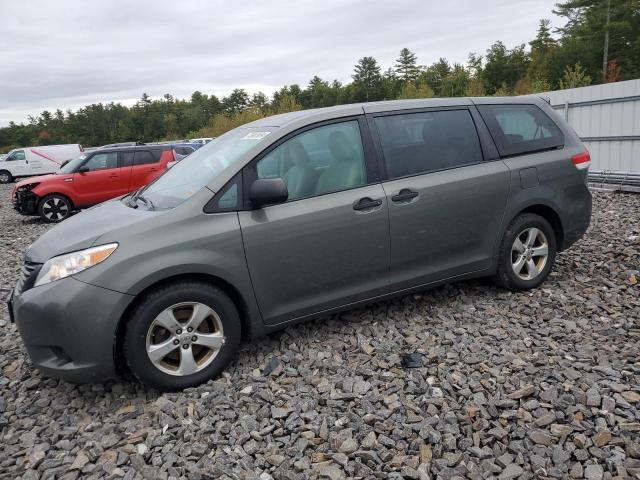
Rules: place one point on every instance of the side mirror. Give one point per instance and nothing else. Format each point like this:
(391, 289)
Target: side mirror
(83, 170)
(267, 191)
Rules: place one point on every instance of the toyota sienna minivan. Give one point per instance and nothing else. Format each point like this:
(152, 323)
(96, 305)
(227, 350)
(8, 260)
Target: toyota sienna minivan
(293, 217)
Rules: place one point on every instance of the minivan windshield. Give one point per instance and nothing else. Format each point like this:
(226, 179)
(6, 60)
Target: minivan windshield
(190, 175)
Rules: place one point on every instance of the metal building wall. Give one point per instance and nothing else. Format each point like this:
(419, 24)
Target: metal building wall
(607, 119)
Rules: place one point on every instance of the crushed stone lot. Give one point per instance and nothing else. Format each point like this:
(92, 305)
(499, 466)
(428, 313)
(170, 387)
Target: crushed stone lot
(543, 384)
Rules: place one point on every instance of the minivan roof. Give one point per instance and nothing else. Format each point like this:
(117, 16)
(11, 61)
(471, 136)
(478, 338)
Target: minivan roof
(307, 116)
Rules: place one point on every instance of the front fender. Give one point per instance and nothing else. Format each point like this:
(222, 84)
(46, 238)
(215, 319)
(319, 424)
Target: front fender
(62, 188)
(170, 246)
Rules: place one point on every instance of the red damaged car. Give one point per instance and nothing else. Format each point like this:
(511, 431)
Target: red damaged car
(90, 179)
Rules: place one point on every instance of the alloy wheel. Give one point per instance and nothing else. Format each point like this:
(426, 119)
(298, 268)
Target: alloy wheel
(55, 209)
(185, 338)
(529, 253)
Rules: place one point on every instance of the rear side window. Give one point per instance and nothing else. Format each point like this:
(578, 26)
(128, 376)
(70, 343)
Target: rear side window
(143, 157)
(127, 159)
(417, 143)
(521, 129)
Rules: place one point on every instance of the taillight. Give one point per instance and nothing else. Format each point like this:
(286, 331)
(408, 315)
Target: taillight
(81, 148)
(582, 160)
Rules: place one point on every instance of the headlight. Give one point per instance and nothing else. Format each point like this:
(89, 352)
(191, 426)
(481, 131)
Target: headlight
(72, 263)
(29, 187)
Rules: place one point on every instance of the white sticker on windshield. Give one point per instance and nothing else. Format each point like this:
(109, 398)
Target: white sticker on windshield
(255, 135)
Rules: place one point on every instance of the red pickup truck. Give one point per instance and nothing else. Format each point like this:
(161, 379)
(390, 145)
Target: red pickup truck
(90, 179)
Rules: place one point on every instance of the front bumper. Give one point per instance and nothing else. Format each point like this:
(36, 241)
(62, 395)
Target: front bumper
(25, 202)
(69, 328)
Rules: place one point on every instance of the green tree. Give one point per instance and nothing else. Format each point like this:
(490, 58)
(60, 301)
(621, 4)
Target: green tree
(583, 35)
(502, 91)
(434, 76)
(391, 84)
(574, 77)
(504, 67)
(293, 90)
(475, 85)
(367, 80)
(259, 101)
(542, 53)
(406, 67)
(237, 101)
(475, 88)
(287, 103)
(411, 90)
(455, 84)
(318, 94)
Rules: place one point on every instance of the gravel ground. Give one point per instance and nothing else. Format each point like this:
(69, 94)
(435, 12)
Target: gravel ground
(543, 384)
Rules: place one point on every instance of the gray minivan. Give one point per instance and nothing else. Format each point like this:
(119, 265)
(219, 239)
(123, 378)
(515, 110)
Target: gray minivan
(295, 216)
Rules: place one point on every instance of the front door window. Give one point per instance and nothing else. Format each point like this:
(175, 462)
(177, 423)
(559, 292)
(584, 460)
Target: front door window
(322, 160)
(15, 156)
(102, 161)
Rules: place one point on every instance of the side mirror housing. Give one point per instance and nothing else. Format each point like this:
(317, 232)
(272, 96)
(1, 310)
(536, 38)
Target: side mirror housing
(268, 191)
(83, 170)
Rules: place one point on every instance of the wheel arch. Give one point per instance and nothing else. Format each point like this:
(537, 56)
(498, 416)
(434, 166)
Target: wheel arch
(550, 215)
(8, 172)
(538, 206)
(41, 197)
(232, 291)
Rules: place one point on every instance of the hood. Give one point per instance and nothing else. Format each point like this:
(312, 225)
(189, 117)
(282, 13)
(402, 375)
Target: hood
(82, 230)
(40, 179)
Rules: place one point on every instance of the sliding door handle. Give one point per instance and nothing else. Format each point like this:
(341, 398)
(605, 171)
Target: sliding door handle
(404, 195)
(367, 203)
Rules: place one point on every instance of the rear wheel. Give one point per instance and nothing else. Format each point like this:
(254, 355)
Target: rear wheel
(54, 208)
(5, 177)
(182, 335)
(527, 253)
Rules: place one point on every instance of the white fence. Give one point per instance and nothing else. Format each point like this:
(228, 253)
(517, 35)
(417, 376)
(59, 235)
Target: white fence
(607, 119)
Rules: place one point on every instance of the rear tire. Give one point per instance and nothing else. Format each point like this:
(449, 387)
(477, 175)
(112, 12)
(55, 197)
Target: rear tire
(182, 335)
(527, 253)
(5, 177)
(55, 208)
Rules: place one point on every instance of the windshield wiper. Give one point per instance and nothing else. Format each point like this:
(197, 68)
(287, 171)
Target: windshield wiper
(146, 201)
(131, 199)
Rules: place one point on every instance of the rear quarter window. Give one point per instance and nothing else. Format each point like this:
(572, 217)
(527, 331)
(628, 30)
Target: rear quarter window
(143, 157)
(521, 129)
(183, 150)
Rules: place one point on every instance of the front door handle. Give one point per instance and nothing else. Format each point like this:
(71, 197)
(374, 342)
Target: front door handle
(366, 203)
(404, 195)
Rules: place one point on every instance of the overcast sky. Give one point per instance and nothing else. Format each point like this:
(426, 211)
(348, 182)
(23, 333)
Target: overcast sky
(69, 53)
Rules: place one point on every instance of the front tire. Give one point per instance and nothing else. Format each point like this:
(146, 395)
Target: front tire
(55, 208)
(182, 335)
(5, 177)
(527, 253)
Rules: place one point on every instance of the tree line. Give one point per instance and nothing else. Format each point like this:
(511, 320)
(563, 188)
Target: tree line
(574, 57)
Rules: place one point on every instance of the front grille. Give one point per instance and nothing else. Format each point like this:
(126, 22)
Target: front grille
(25, 202)
(28, 275)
